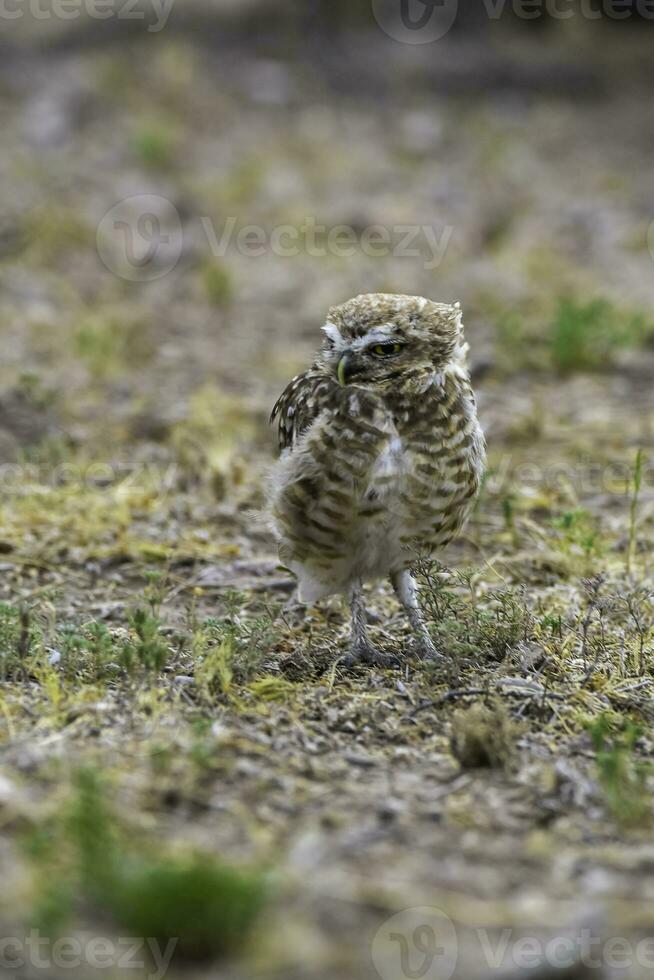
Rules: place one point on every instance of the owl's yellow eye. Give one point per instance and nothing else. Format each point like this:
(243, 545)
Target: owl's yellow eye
(386, 350)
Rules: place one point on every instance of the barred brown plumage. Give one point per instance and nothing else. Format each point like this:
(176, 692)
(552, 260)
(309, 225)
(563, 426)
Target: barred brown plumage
(381, 453)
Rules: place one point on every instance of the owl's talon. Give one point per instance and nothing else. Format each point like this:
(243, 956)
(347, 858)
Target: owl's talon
(423, 648)
(365, 653)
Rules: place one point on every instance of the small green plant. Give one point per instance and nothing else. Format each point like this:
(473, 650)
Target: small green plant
(70, 649)
(147, 648)
(578, 531)
(231, 649)
(622, 776)
(636, 486)
(108, 346)
(272, 688)
(638, 605)
(586, 336)
(208, 907)
(101, 649)
(514, 341)
(472, 626)
(89, 652)
(217, 283)
(580, 336)
(153, 145)
(214, 670)
(80, 651)
(155, 590)
(75, 855)
(91, 830)
(18, 640)
(508, 512)
(242, 185)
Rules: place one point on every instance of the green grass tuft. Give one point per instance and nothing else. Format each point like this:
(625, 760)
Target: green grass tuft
(153, 145)
(109, 346)
(147, 647)
(18, 641)
(577, 336)
(217, 283)
(586, 336)
(622, 776)
(466, 626)
(209, 908)
(233, 649)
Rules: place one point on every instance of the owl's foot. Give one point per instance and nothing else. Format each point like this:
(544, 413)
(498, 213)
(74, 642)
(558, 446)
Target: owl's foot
(366, 653)
(423, 647)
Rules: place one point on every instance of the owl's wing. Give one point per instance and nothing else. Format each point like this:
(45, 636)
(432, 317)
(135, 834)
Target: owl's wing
(299, 405)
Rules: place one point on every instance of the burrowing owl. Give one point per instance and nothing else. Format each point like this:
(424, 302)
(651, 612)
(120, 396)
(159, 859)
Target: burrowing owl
(381, 454)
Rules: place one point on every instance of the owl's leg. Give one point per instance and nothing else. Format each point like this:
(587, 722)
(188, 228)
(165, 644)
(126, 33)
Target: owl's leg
(407, 592)
(361, 649)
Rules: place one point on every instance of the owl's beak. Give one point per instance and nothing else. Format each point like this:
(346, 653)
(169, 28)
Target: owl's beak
(341, 371)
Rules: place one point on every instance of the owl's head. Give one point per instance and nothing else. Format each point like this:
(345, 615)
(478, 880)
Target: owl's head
(382, 339)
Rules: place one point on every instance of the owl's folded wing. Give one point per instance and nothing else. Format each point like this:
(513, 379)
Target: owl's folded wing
(301, 402)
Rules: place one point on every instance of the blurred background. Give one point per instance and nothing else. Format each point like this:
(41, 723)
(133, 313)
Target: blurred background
(187, 186)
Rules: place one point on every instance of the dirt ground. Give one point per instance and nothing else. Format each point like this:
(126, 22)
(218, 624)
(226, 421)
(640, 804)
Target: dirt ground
(511, 791)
